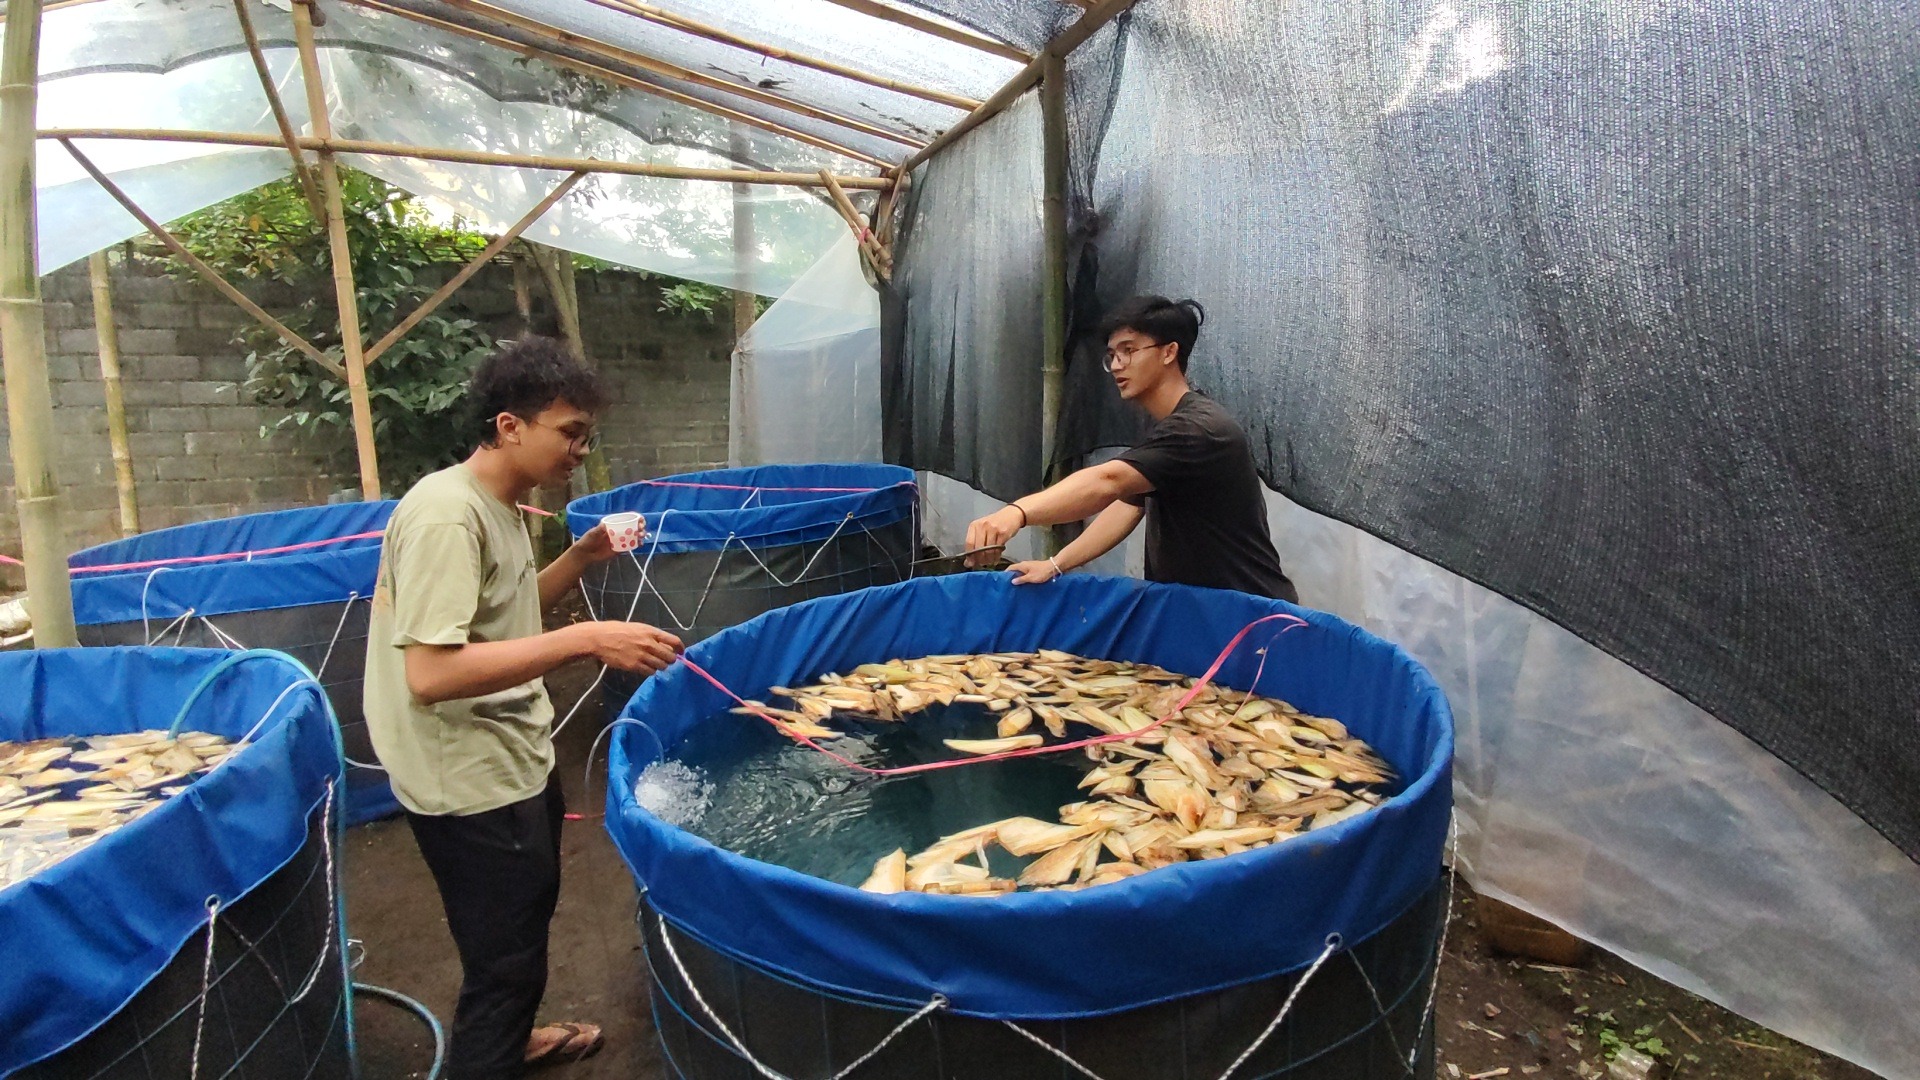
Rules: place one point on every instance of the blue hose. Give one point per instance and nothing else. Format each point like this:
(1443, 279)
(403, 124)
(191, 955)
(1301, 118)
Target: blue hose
(393, 996)
(424, 1013)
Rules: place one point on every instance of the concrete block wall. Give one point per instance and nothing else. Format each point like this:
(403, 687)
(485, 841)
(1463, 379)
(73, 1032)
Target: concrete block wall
(198, 452)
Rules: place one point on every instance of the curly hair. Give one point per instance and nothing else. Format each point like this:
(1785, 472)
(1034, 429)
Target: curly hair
(524, 377)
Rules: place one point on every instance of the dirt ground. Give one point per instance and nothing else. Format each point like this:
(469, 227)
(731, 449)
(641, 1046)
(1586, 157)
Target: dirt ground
(1497, 1016)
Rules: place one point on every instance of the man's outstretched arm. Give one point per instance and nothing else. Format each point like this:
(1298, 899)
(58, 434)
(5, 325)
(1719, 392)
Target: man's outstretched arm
(1079, 496)
(1114, 524)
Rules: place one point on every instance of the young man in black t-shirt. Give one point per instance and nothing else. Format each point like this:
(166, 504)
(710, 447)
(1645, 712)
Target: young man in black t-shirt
(1192, 478)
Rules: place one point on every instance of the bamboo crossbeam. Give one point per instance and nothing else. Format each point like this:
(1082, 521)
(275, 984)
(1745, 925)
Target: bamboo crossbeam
(108, 333)
(606, 51)
(622, 80)
(199, 266)
(340, 254)
(1068, 40)
(486, 256)
(666, 18)
(280, 117)
(469, 157)
(868, 245)
(908, 19)
(23, 341)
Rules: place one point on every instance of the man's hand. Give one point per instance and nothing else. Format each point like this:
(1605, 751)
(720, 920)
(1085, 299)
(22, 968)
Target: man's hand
(987, 535)
(596, 546)
(629, 646)
(1036, 572)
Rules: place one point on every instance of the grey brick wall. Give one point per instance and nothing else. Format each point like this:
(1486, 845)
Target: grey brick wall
(197, 449)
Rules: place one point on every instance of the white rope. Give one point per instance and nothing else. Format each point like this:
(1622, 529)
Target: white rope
(222, 636)
(646, 582)
(146, 624)
(1333, 946)
(326, 949)
(936, 1004)
(345, 610)
(168, 629)
(1054, 1050)
(206, 986)
(1433, 988)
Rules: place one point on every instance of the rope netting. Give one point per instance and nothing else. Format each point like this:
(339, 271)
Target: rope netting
(258, 991)
(1395, 1059)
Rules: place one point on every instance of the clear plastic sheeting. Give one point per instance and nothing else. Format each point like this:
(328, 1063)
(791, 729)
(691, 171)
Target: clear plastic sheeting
(961, 324)
(806, 377)
(1598, 799)
(184, 66)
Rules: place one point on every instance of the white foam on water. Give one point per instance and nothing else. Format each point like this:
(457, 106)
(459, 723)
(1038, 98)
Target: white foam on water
(675, 793)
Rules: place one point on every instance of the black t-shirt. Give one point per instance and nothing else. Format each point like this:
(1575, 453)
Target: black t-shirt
(1207, 512)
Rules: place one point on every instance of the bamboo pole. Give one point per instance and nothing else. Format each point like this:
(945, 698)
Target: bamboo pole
(605, 51)
(621, 79)
(868, 245)
(1068, 40)
(199, 266)
(486, 255)
(744, 300)
(23, 341)
(954, 34)
(556, 269)
(1053, 216)
(346, 298)
(470, 157)
(109, 335)
(713, 33)
(883, 220)
(280, 117)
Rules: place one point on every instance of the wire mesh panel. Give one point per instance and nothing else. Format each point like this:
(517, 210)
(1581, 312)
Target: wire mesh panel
(1363, 1015)
(258, 993)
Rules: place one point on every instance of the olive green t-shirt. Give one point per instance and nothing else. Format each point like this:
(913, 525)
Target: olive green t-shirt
(456, 567)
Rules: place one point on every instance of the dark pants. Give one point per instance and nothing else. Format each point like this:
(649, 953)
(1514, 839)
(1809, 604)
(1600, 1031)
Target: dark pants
(499, 878)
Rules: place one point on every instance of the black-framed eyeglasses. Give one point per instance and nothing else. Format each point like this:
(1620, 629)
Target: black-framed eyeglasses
(582, 444)
(1121, 357)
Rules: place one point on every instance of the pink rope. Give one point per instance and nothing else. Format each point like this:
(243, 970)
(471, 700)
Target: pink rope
(762, 487)
(903, 770)
(221, 557)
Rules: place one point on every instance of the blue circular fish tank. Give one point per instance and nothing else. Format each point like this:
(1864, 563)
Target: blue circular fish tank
(1173, 973)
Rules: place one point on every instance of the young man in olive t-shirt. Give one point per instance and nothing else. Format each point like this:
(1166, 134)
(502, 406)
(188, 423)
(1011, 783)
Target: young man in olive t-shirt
(455, 703)
(1192, 478)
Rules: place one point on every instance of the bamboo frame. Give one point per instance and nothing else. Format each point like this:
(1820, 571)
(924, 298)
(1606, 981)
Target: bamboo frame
(868, 245)
(473, 266)
(471, 157)
(23, 341)
(199, 266)
(346, 297)
(623, 80)
(606, 51)
(713, 33)
(744, 298)
(108, 333)
(1053, 216)
(907, 19)
(279, 108)
(1068, 40)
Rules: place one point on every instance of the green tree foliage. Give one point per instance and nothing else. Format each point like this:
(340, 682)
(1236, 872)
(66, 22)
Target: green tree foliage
(415, 388)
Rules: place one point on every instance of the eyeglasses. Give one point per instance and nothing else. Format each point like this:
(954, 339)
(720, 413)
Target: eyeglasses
(1122, 357)
(581, 444)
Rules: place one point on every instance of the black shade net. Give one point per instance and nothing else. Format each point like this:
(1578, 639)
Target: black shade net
(1610, 308)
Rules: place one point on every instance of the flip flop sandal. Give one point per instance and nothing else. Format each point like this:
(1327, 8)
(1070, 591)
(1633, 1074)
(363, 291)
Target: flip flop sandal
(582, 1041)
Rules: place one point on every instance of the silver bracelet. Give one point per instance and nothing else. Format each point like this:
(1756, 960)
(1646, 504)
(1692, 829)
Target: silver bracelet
(1057, 572)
